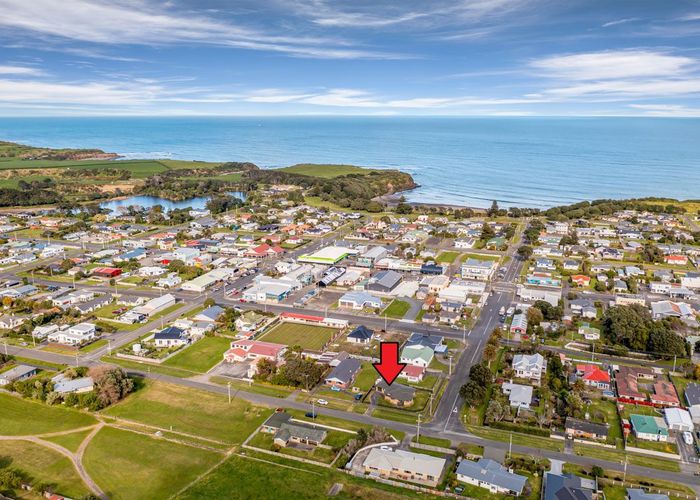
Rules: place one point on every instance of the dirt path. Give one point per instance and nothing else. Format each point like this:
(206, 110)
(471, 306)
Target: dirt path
(75, 458)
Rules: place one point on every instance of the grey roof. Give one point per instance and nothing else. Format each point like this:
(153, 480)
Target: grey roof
(396, 391)
(170, 333)
(276, 420)
(345, 371)
(385, 280)
(491, 472)
(17, 372)
(425, 340)
(68, 386)
(692, 394)
(361, 332)
(640, 494)
(212, 312)
(565, 487)
(300, 431)
(586, 426)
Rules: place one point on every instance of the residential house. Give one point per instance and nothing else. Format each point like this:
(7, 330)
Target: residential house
(358, 300)
(412, 373)
(593, 376)
(396, 394)
(568, 487)
(491, 475)
(288, 431)
(17, 373)
(344, 374)
(529, 366)
(171, 336)
(360, 335)
(648, 428)
(404, 466)
(519, 396)
(577, 428)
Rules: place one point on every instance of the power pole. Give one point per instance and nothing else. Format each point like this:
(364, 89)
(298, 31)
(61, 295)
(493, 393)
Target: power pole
(510, 446)
(418, 430)
(229, 392)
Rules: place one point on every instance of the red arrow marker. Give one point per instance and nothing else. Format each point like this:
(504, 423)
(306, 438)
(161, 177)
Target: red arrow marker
(389, 366)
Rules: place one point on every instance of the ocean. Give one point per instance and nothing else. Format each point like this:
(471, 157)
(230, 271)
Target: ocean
(535, 162)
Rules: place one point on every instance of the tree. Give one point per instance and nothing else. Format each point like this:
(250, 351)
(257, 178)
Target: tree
(111, 384)
(493, 210)
(490, 352)
(404, 208)
(481, 375)
(209, 302)
(473, 393)
(597, 471)
(664, 341)
(525, 251)
(628, 325)
(574, 404)
(496, 411)
(534, 316)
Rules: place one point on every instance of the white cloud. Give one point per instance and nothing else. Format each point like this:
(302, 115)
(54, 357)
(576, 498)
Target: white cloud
(669, 110)
(620, 21)
(128, 22)
(19, 70)
(375, 14)
(609, 65)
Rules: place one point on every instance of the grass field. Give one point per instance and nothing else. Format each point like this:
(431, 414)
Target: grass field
(138, 168)
(397, 309)
(69, 441)
(44, 466)
(307, 336)
(447, 257)
(325, 171)
(129, 465)
(201, 356)
(22, 417)
(266, 477)
(191, 411)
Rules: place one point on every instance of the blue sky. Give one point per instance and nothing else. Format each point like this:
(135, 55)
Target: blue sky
(283, 57)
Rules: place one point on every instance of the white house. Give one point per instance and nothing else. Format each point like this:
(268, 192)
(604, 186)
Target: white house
(491, 475)
(74, 335)
(519, 396)
(529, 366)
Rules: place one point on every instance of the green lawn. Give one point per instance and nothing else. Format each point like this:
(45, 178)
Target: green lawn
(619, 457)
(397, 309)
(307, 336)
(447, 257)
(94, 346)
(278, 391)
(324, 171)
(366, 378)
(202, 356)
(148, 367)
(69, 441)
(191, 411)
(138, 168)
(518, 438)
(43, 465)
(129, 465)
(432, 441)
(274, 477)
(23, 417)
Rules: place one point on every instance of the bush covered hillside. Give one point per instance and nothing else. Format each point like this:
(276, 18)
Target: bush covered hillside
(353, 190)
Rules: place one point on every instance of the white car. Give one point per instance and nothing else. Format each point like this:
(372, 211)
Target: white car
(688, 438)
(322, 402)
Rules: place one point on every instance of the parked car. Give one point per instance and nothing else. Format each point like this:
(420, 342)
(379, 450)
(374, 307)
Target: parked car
(322, 402)
(310, 415)
(688, 438)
